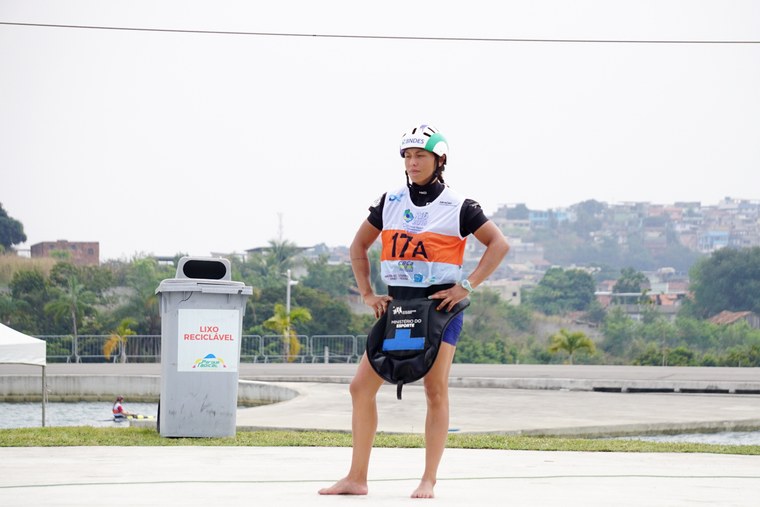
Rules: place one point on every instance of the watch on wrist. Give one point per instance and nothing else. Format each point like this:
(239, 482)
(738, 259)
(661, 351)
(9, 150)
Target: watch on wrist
(466, 284)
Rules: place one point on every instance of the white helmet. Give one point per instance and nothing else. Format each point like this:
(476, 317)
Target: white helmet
(426, 137)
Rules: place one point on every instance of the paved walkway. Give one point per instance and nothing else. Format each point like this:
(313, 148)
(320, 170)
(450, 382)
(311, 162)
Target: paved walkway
(514, 411)
(528, 399)
(235, 476)
(240, 476)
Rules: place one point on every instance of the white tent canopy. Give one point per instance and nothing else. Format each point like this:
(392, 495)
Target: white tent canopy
(18, 348)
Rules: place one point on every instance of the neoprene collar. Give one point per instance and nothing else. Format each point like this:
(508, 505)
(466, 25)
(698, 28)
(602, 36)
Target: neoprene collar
(423, 195)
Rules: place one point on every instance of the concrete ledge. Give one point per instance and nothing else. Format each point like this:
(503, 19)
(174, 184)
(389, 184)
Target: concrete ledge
(136, 388)
(610, 385)
(568, 384)
(80, 387)
(624, 430)
(147, 387)
(263, 393)
(613, 431)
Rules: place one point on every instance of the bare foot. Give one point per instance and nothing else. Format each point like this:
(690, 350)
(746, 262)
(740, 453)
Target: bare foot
(345, 486)
(424, 490)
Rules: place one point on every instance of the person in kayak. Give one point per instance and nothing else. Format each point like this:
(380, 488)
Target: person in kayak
(119, 414)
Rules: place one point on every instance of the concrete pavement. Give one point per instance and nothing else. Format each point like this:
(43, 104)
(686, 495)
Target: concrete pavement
(240, 476)
(514, 411)
(189, 476)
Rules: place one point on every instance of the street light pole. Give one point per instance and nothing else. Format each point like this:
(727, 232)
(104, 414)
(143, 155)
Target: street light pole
(287, 313)
(287, 299)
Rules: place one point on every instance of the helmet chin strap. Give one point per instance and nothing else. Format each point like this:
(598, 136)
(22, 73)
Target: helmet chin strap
(432, 179)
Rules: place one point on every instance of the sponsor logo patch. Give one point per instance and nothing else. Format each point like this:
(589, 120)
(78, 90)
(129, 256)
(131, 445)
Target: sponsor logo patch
(406, 265)
(414, 141)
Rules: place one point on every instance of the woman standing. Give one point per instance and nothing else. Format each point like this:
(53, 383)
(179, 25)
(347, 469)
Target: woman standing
(424, 226)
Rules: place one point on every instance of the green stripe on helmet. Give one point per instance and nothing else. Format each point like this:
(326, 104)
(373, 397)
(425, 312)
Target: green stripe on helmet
(433, 141)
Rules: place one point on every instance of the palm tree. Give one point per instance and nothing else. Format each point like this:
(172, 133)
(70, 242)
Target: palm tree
(9, 307)
(279, 256)
(571, 342)
(118, 339)
(281, 322)
(72, 303)
(143, 277)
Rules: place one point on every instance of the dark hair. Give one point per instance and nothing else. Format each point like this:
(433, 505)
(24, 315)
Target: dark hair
(439, 169)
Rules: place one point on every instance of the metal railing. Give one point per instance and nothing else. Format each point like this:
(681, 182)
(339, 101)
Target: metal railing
(253, 349)
(276, 348)
(339, 347)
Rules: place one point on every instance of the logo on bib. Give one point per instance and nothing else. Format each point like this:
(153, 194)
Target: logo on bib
(418, 222)
(406, 265)
(400, 310)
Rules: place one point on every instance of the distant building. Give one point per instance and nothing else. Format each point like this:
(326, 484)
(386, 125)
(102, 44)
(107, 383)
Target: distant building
(712, 240)
(540, 219)
(509, 290)
(727, 318)
(667, 302)
(81, 253)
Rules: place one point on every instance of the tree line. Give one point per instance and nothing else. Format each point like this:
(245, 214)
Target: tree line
(118, 298)
(97, 299)
(729, 279)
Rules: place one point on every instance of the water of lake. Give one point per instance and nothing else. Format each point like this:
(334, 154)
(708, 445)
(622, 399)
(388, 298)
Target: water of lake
(26, 415)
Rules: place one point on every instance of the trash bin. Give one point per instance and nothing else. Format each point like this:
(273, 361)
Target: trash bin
(201, 326)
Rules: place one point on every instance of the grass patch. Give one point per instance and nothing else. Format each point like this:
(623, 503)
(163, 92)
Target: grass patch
(89, 436)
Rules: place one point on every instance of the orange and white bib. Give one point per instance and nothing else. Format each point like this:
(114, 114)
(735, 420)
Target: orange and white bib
(422, 246)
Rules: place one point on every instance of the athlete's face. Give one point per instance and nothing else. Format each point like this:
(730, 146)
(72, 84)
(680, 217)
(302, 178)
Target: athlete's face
(420, 165)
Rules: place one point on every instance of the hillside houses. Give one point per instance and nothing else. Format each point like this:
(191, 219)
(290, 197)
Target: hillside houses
(669, 231)
(654, 229)
(700, 228)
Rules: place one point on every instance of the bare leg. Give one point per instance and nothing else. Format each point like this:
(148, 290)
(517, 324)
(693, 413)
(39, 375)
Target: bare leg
(363, 389)
(437, 421)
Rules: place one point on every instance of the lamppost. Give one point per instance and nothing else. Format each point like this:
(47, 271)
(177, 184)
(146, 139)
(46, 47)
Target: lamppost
(287, 314)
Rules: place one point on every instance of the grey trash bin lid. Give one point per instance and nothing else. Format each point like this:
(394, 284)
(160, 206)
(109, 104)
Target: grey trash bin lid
(208, 275)
(203, 286)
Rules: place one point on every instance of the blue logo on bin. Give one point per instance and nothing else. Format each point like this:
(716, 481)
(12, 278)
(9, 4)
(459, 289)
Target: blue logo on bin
(209, 362)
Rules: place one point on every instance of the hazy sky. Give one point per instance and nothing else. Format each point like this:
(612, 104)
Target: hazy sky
(161, 142)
